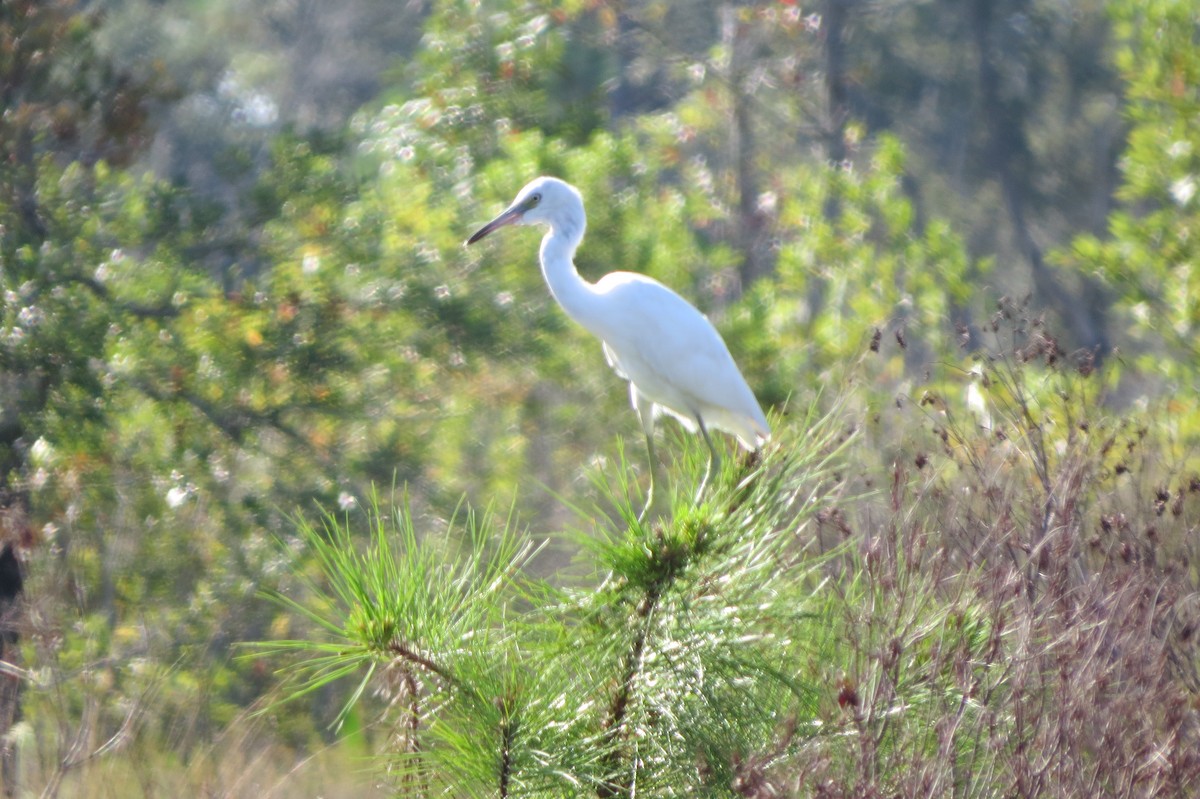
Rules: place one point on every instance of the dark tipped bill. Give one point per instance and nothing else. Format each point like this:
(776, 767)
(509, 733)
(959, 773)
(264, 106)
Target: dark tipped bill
(509, 217)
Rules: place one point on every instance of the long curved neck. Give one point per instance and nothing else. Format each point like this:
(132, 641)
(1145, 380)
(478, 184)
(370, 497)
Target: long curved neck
(576, 296)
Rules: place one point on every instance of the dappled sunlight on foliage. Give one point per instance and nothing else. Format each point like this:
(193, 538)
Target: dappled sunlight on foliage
(952, 247)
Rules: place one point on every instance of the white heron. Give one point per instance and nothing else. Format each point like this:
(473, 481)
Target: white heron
(674, 359)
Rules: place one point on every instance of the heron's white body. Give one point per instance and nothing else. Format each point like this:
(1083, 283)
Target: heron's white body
(674, 359)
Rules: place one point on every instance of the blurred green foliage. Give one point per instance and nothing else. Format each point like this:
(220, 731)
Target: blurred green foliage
(1149, 254)
(228, 302)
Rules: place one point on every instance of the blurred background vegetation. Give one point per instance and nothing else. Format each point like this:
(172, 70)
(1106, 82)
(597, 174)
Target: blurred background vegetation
(235, 291)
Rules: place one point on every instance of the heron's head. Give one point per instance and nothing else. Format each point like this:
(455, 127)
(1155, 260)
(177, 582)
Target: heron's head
(543, 201)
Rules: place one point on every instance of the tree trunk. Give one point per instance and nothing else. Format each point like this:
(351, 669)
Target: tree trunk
(11, 613)
(837, 105)
(752, 234)
(1083, 315)
(834, 14)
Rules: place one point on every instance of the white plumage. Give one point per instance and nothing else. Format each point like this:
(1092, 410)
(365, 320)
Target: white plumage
(674, 359)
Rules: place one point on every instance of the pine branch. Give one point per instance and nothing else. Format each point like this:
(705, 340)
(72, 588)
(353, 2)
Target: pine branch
(165, 311)
(618, 709)
(413, 722)
(508, 729)
(407, 654)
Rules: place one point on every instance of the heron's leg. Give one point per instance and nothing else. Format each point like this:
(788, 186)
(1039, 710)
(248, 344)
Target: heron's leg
(714, 459)
(650, 491)
(646, 413)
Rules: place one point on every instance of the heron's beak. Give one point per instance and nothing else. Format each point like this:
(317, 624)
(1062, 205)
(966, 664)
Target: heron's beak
(509, 217)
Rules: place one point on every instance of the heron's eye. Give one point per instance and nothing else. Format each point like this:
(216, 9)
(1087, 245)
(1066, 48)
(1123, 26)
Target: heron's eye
(534, 199)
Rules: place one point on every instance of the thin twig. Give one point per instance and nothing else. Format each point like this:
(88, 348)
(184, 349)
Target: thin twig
(406, 653)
